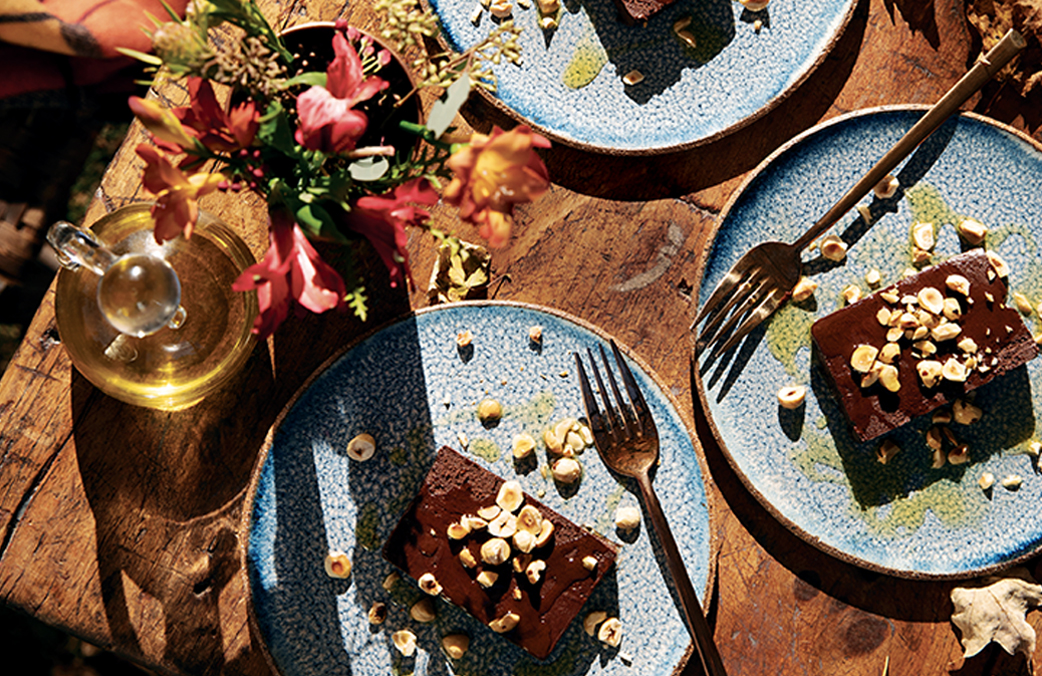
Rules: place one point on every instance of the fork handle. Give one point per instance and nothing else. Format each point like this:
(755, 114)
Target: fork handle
(693, 615)
(986, 68)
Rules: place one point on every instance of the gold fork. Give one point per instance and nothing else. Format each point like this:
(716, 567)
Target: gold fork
(627, 440)
(765, 276)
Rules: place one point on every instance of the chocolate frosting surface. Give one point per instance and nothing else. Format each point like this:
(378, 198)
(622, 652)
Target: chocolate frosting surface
(1004, 343)
(456, 486)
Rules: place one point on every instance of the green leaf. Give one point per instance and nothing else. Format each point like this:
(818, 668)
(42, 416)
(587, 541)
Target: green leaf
(369, 168)
(274, 129)
(356, 300)
(444, 109)
(310, 78)
(150, 59)
(317, 222)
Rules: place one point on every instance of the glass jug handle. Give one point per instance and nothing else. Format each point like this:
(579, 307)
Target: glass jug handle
(79, 248)
(138, 294)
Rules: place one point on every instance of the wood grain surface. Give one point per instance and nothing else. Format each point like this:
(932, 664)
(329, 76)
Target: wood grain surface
(120, 524)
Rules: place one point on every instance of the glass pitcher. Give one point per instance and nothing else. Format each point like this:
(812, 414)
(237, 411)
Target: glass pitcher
(151, 324)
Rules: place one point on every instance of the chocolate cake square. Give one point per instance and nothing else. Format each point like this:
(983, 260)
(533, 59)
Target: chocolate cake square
(455, 488)
(991, 340)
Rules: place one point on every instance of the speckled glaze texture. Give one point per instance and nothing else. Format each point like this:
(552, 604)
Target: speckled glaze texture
(904, 518)
(571, 88)
(411, 388)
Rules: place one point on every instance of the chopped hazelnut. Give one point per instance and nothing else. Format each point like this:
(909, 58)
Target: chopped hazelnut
(863, 358)
(873, 278)
(923, 236)
(627, 517)
(534, 570)
(930, 372)
(523, 445)
(464, 338)
(455, 645)
(998, 264)
(337, 564)
(593, 619)
(887, 187)
(362, 447)
(886, 451)
(510, 496)
(423, 611)
(833, 248)
(1023, 304)
(804, 289)
(405, 642)
(566, 470)
(466, 558)
(1012, 482)
(972, 231)
(377, 613)
(986, 481)
(429, 584)
(503, 526)
(931, 300)
(495, 551)
(489, 410)
(610, 633)
(851, 293)
(792, 396)
(965, 413)
(503, 624)
(487, 578)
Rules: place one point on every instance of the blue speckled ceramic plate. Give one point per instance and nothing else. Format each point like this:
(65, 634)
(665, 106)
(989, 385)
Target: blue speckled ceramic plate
(571, 87)
(409, 387)
(904, 518)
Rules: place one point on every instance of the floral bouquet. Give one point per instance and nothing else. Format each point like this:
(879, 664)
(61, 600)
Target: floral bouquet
(295, 133)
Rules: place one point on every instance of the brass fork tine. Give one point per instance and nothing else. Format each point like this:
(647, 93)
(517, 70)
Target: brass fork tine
(640, 407)
(624, 410)
(615, 428)
(749, 296)
(598, 426)
(726, 285)
(725, 331)
(754, 319)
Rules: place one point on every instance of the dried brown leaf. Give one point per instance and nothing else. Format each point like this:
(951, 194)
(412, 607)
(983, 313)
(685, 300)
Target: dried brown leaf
(996, 612)
(992, 18)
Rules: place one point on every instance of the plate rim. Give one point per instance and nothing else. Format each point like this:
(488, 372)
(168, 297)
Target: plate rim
(772, 103)
(246, 515)
(703, 400)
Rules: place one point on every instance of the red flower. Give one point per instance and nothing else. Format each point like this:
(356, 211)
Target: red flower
(327, 121)
(177, 194)
(382, 220)
(493, 173)
(291, 269)
(217, 130)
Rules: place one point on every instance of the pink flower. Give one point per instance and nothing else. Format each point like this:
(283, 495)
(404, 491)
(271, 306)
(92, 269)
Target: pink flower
(177, 194)
(291, 269)
(218, 130)
(382, 220)
(327, 121)
(163, 123)
(493, 173)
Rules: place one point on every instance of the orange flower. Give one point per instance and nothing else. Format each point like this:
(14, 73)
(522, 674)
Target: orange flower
(177, 207)
(493, 173)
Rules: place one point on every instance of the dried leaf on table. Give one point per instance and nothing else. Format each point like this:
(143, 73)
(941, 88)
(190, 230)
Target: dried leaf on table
(992, 18)
(461, 272)
(997, 612)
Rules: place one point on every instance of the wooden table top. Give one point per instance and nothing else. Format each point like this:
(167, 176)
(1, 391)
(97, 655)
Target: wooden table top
(121, 524)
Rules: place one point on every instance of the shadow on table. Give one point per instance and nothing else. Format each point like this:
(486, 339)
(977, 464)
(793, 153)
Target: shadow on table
(653, 48)
(648, 177)
(873, 594)
(166, 491)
